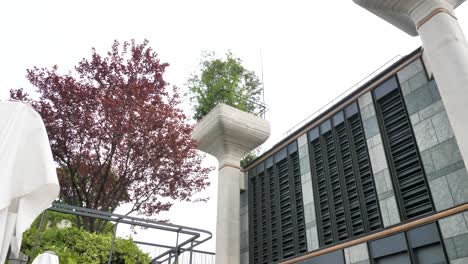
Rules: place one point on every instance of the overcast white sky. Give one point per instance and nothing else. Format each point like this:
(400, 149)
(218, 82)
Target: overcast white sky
(312, 50)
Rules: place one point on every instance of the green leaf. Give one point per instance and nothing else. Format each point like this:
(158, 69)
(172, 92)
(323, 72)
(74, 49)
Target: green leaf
(224, 81)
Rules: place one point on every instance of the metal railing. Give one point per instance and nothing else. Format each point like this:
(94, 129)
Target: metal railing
(187, 237)
(260, 106)
(342, 95)
(188, 257)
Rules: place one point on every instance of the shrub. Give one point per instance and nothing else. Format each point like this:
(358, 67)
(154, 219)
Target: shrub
(75, 245)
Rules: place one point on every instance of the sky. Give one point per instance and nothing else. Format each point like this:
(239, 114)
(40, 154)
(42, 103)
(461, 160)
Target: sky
(311, 51)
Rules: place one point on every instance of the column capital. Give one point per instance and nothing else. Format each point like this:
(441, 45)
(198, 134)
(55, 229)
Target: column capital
(425, 10)
(408, 15)
(229, 134)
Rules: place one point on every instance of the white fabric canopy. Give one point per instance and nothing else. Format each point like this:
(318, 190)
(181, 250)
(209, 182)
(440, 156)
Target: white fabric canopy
(46, 258)
(29, 181)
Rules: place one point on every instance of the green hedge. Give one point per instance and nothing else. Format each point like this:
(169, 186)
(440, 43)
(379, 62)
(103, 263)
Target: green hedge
(75, 245)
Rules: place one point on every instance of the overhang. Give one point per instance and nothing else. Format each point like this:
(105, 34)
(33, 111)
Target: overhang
(403, 13)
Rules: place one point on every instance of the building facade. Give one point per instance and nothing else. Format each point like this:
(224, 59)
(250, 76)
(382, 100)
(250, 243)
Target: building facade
(377, 178)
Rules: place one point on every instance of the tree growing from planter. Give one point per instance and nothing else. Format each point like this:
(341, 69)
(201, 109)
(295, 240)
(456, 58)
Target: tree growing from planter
(224, 80)
(117, 133)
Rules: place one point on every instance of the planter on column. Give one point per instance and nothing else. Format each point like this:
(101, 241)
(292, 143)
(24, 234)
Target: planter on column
(229, 134)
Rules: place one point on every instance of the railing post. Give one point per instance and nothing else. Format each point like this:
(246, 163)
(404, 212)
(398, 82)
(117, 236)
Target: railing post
(191, 253)
(41, 223)
(113, 242)
(177, 249)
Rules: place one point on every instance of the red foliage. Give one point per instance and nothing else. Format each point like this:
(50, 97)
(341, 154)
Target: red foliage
(117, 133)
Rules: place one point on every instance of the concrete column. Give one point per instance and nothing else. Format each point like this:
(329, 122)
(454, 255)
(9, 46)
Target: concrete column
(229, 134)
(445, 48)
(228, 216)
(447, 52)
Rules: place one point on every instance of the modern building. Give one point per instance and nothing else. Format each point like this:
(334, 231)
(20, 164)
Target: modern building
(377, 178)
(380, 177)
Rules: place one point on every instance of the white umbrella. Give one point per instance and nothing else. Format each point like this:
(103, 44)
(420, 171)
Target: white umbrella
(28, 179)
(47, 257)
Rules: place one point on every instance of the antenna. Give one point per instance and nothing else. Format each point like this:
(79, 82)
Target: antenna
(263, 83)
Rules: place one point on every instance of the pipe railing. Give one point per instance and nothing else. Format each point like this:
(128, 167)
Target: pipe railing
(193, 237)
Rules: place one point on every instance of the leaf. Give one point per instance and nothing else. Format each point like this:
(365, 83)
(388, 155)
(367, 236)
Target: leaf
(224, 81)
(117, 132)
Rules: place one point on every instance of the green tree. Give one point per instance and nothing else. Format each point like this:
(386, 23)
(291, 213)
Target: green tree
(117, 133)
(227, 81)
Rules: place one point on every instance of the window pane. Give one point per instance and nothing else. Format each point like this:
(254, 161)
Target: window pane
(400, 258)
(432, 254)
(424, 235)
(335, 257)
(388, 246)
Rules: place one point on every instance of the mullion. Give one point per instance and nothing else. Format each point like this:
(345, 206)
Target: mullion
(410, 250)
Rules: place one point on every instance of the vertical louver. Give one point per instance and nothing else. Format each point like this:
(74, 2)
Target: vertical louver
(253, 219)
(277, 217)
(274, 219)
(346, 200)
(365, 179)
(323, 200)
(336, 186)
(298, 206)
(287, 238)
(264, 212)
(404, 161)
(351, 182)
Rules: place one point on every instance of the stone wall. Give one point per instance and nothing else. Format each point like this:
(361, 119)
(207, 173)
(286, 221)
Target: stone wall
(357, 254)
(454, 231)
(442, 161)
(307, 194)
(382, 179)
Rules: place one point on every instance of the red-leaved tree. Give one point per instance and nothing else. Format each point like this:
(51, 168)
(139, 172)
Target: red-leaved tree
(117, 133)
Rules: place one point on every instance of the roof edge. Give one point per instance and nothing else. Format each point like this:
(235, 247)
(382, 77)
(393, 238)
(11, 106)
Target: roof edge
(376, 80)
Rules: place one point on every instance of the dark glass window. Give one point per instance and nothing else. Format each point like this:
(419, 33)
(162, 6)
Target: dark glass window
(345, 196)
(422, 245)
(335, 257)
(276, 212)
(403, 156)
